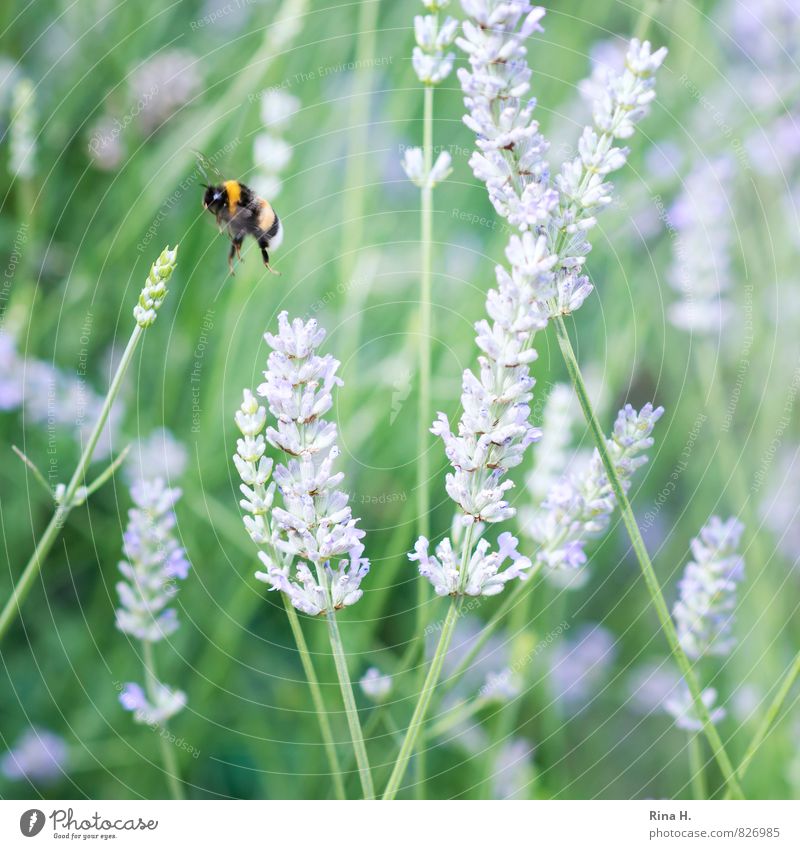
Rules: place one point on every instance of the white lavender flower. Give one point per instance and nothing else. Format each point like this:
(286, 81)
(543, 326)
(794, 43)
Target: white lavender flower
(155, 288)
(315, 524)
(163, 704)
(414, 166)
(579, 506)
(375, 685)
(271, 152)
(701, 266)
(22, 143)
(681, 707)
(485, 572)
(39, 756)
(704, 612)
(511, 159)
(431, 60)
(155, 560)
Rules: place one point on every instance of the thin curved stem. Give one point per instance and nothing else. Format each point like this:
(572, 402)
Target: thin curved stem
(696, 767)
(423, 703)
(316, 697)
(356, 733)
(424, 412)
(167, 753)
(67, 501)
(769, 717)
(643, 558)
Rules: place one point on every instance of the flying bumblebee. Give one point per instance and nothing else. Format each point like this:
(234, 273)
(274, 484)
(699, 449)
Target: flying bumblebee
(239, 209)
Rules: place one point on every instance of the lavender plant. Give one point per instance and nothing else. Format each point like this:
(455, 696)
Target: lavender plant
(76, 491)
(154, 562)
(433, 63)
(312, 550)
(553, 216)
(546, 254)
(705, 609)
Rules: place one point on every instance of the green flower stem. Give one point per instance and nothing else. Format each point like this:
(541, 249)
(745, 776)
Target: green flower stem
(424, 412)
(420, 711)
(646, 566)
(696, 767)
(359, 118)
(23, 586)
(167, 752)
(512, 598)
(356, 734)
(223, 522)
(316, 697)
(769, 717)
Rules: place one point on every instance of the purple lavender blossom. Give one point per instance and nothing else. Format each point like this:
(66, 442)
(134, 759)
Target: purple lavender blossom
(704, 612)
(579, 505)
(680, 706)
(163, 704)
(580, 664)
(40, 756)
(701, 265)
(155, 559)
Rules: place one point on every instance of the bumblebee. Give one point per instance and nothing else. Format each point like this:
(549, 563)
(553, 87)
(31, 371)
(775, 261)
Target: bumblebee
(238, 208)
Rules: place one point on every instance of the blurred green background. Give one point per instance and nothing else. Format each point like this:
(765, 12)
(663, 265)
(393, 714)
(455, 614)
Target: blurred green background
(122, 94)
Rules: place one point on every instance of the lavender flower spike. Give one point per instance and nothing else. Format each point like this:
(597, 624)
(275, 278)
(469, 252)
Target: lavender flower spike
(39, 756)
(704, 612)
(511, 159)
(315, 525)
(680, 706)
(431, 62)
(579, 506)
(155, 560)
(155, 287)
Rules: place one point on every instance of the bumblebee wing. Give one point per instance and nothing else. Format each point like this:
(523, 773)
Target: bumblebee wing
(207, 168)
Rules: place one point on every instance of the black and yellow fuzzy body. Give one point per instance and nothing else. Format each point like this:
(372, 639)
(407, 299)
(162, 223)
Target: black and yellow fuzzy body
(243, 213)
